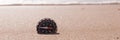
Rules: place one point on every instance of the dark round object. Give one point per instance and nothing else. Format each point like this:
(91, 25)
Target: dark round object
(46, 26)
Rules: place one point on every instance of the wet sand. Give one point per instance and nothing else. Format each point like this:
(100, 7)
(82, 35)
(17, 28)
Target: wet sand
(75, 22)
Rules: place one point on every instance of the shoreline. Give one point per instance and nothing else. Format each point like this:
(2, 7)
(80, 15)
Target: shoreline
(57, 4)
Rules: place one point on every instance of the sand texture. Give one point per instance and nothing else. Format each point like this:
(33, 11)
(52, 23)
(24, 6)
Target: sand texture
(75, 22)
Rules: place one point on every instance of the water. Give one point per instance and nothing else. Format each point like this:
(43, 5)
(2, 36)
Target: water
(57, 1)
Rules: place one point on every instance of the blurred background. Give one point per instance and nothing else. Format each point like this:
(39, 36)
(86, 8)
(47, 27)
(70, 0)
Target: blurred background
(2, 2)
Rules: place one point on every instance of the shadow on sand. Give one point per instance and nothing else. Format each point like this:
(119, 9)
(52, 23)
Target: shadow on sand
(51, 34)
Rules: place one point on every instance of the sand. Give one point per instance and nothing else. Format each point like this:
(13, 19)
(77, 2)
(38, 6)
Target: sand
(75, 22)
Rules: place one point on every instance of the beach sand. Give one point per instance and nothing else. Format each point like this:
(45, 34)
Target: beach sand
(75, 22)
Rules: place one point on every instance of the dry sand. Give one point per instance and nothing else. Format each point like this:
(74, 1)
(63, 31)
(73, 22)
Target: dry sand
(75, 22)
